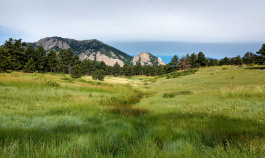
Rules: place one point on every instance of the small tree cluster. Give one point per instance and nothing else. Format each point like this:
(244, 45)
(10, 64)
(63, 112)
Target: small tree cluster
(99, 75)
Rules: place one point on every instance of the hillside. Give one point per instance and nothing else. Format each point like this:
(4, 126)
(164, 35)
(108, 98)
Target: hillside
(216, 112)
(93, 50)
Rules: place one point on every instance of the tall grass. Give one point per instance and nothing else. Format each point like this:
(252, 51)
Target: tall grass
(213, 113)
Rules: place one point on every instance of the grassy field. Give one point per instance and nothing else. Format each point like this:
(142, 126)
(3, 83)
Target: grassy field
(216, 112)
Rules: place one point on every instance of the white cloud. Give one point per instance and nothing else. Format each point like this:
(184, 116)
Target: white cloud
(138, 20)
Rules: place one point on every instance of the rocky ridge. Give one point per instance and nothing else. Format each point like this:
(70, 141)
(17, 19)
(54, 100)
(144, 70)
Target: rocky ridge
(96, 51)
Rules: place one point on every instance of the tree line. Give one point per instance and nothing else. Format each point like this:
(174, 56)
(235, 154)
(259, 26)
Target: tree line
(18, 56)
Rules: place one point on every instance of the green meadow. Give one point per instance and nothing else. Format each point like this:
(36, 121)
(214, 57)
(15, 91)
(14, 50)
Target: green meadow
(214, 112)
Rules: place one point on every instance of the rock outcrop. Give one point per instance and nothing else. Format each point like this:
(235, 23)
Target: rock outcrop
(96, 51)
(145, 58)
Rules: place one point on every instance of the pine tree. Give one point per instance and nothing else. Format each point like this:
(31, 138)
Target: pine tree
(238, 60)
(30, 67)
(261, 52)
(15, 48)
(116, 70)
(95, 75)
(5, 60)
(101, 75)
(52, 61)
(76, 72)
(174, 62)
(29, 52)
(137, 69)
(202, 61)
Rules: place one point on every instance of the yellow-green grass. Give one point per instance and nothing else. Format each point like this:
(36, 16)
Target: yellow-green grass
(216, 112)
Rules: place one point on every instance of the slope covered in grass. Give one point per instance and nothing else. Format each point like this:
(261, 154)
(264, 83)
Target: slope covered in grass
(216, 112)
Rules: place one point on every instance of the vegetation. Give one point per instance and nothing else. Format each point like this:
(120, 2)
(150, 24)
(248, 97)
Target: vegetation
(16, 56)
(210, 113)
(204, 110)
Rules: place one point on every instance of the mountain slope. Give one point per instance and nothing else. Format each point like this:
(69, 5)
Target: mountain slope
(96, 51)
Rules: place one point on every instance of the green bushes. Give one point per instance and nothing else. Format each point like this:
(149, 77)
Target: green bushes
(99, 75)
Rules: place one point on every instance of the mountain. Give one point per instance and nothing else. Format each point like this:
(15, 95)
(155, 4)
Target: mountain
(145, 58)
(96, 50)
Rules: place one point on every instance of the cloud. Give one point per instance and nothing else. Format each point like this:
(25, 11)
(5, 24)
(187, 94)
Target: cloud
(138, 20)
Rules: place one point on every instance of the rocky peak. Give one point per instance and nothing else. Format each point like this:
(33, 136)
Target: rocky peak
(145, 58)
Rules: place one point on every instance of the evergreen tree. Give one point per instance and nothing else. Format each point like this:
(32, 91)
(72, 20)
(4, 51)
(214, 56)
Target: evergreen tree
(147, 70)
(213, 62)
(116, 70)
(52, 61)
(232, 61)
(174, 63)
(30, 67)
(15, 48)
(101, 75)
(193, 60)
(29, 52)
(226, 61)
(238, 60)
(76, 72)
(5, 60)
(102, 66)
(94, 66)
(249, 58)
(261, 52)
(95, 75)
(85, 67)
(202, 61)
(127, 70)
(137, 69)
(39, 56)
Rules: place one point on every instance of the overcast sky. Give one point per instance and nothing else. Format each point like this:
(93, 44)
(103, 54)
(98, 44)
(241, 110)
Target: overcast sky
(201, 21)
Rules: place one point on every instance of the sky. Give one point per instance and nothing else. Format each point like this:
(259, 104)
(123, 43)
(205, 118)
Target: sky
(110, 21)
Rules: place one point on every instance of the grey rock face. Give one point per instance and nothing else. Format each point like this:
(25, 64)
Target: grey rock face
(96, 51)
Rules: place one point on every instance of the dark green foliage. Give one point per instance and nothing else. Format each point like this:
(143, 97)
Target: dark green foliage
(76, 72)
(213, 62)
(39, 56)
(5, 60)
(232, 61)
(127, 70)
(29, 52)
(101, 75)
(30, 67)
(95, 75)
(137, 69)
(116, 70)
(85, 67)
(261, 52)
(202, 61)
(102, 66)
(174, 63)
(52, 61)
(249, 58)
(238, 60)
(15, 49)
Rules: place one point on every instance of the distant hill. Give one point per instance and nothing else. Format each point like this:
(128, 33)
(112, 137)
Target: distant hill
(96, 50)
